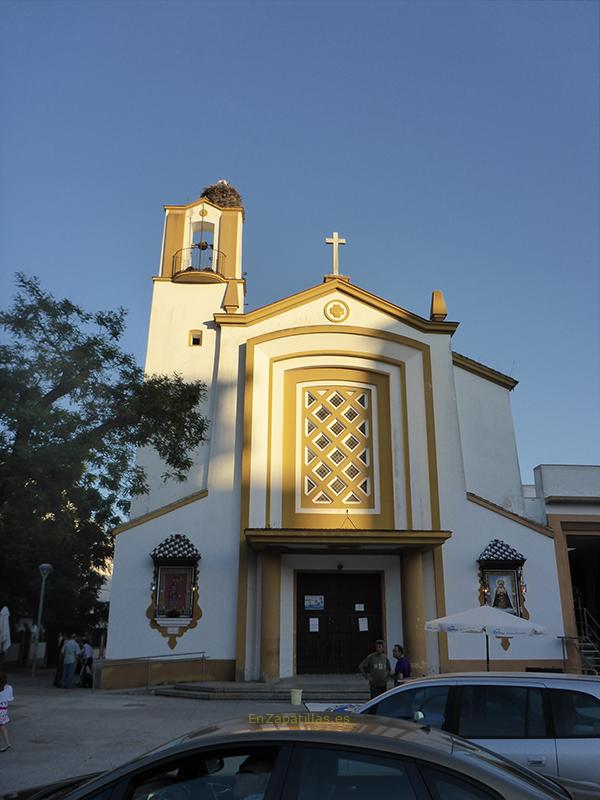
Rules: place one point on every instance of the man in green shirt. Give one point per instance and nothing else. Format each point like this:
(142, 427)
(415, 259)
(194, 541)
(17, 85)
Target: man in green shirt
(376, 669)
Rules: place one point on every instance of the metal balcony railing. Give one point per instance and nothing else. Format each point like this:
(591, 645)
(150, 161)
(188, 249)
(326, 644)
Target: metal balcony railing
(199, 257)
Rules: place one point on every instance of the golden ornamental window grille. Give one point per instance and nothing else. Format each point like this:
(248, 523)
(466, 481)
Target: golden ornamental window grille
(337, 462)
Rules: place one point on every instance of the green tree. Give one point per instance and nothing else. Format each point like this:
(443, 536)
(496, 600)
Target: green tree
(73, 410)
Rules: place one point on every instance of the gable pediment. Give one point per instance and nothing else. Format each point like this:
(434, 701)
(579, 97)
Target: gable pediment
(333, 287)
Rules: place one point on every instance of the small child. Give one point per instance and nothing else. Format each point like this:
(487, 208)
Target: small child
(6, 696)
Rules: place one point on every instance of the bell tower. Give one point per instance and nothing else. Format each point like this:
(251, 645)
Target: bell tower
(200, 275)
(202, 243)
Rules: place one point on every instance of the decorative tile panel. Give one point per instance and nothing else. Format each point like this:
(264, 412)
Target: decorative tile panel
(336, 424)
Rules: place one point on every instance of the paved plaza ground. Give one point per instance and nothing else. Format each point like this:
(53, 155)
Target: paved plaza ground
(57, 733)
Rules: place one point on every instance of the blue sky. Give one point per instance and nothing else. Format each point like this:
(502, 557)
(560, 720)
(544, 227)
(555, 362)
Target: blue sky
(453, 144)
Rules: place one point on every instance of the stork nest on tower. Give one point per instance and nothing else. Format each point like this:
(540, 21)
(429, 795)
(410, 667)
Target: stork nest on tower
(223, 194)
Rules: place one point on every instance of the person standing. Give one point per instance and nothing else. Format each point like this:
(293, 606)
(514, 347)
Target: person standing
(376, 669)
(403, 669)
(70, 655)
(6, 697)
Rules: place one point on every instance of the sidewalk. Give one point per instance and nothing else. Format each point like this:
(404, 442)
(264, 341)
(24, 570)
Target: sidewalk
(57, 733)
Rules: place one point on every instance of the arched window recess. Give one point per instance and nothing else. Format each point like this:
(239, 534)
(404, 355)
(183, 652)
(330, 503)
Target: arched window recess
(202, 254)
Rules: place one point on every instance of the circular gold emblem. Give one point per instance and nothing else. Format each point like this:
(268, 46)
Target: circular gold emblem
(336, 311)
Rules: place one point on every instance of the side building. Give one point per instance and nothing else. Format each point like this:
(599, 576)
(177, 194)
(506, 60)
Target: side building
(360, 478)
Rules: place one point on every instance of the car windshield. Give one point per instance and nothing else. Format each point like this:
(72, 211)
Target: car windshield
(462, 747)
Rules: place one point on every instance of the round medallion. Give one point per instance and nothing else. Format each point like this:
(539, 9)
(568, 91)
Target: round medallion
(336, 311)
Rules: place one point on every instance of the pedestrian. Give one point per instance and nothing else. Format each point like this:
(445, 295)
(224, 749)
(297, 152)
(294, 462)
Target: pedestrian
(6, 697)
(376, 669)
(70, 655)
(402, 669)
(87, 659)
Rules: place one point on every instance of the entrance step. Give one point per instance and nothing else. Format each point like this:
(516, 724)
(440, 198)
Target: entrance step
(347, 689)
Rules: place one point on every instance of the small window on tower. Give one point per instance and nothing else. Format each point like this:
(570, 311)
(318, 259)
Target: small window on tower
(195, 339)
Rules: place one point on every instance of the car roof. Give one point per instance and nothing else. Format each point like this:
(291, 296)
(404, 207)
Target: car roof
(549, 676)
(390, 734)
(393, 736)
(348, 731)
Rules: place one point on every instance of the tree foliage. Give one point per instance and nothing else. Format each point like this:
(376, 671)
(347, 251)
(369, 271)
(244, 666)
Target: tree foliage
(73, 410)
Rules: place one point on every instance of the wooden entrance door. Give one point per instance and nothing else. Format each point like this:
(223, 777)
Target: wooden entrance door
(338, 618)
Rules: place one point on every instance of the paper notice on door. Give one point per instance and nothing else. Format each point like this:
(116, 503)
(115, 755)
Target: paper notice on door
(359, 606)
(363, 623)
(313, 624)
(314, 602)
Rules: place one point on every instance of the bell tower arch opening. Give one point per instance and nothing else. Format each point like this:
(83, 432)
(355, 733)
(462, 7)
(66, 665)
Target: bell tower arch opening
(202, 243)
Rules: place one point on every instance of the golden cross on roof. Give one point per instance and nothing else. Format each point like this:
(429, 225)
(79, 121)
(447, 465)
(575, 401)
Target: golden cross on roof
(336, 242)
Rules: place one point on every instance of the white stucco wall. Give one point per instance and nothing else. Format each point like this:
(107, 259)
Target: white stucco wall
(212, 524)
(178, 308)
(567, 480)
(533, 509)
(473, 528)
(464, 429)
(562, 489)
(488, 440)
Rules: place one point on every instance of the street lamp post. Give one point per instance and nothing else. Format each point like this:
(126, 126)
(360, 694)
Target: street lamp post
(45, 570)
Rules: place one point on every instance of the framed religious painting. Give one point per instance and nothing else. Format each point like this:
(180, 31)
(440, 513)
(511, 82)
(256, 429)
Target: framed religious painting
(502, 590)
(175, 592)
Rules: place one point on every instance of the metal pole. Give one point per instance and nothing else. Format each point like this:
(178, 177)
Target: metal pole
(37, 627)
(45, 570)
(487, 652)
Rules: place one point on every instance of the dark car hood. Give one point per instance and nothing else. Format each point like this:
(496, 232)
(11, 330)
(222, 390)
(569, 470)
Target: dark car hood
(51, 791)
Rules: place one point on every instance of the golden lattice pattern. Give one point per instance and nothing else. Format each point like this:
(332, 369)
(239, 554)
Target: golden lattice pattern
(337, 447)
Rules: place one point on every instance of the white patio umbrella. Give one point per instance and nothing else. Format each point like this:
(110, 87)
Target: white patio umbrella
(488, 620)
(4, 629)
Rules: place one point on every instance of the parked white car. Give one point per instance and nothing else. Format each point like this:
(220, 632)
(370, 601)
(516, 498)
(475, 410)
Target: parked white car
(548, 722)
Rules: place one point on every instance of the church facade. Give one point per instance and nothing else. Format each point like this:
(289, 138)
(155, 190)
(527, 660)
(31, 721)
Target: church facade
(360, 477)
